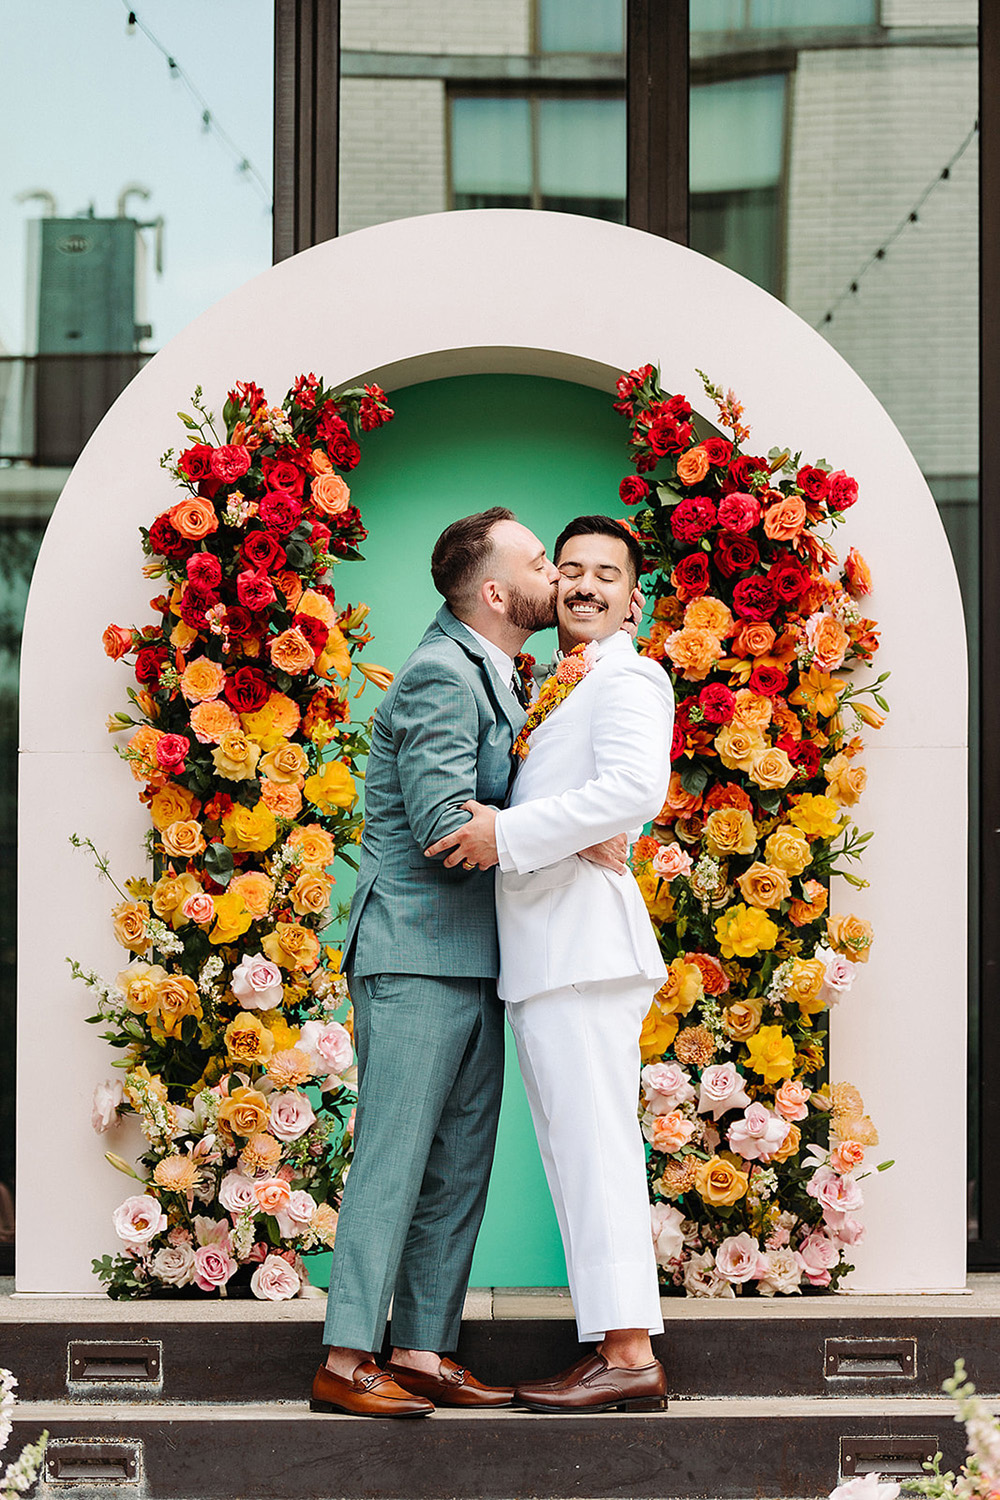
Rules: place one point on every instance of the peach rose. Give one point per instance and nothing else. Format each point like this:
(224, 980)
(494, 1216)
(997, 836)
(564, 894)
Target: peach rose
(320, 462)
(272, 1195)
(804, 986)
(294, 947)
(291, 652)
(284, 800)
(846, 1156)
(730, 830)
(791, 1100)
(847, 780)
(290, 585)
(764, 886)
(752, 638)
(314, 844)
(310, 894)
(693, 652)
(212, 719)
(802, 912)
(176, 998)
(172, 803)
(693, 465)
(784, 520)
(235, 757)
(202, 679)
(668, 1133)
(737, 747)
(789, 849)
(116, 640)
(752, 710)
(714, 979)
(771, 769)
(255, 889)
(194, 518)
(828, 641)
(851, 936)
(138, 984)
(247, 1039)
(857, 574)
(286, 762)
(143, 764)
(129, 921)
(710, 615)
(199, 908)
(330, 494)
(317, 605)
(169, 895)
(183, 839)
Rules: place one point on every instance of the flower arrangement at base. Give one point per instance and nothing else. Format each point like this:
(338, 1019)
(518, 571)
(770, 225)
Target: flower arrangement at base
(21, 1473)
(753, 1156)
(230, 1012)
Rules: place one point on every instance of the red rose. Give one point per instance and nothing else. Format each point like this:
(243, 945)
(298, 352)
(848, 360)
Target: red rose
(280, 511)
(789, 579)
(171, 750)
(679, 741)
(195, 605)
(767, 681)
(304, 391)
(205, 569)
(166, 540)
(262, 552)
(804, 755)
(666, 435)
(717, 703)
(282, 474)
(196, 462)
(754, 598)
(677, 407)
(738, 512)
(742, 469)
(632, 490)
(247, 690)
(148, 663)
(230, 462)
(813, 483)
(692, 518)
(691, 575)
(344, 452)
(735, 554)
(320, 535)
(239, 621)
(314, 630)
(843, 491)
(255, 591)
(719, 450)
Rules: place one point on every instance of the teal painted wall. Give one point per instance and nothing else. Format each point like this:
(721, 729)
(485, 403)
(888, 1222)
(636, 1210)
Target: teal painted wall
(548, 450)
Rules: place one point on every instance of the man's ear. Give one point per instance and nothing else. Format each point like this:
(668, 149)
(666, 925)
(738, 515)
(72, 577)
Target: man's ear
(493, 596)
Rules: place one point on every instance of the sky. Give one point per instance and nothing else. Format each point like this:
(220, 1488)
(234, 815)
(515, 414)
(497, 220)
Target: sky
(87, 110)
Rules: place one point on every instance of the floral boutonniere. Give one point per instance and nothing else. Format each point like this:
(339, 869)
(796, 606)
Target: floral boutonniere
(572, 669)
(524, 671)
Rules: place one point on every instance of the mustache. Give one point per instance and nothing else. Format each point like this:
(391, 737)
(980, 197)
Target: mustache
(578, 598)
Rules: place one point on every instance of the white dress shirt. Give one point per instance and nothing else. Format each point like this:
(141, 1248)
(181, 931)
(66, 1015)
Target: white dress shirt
(503, 663)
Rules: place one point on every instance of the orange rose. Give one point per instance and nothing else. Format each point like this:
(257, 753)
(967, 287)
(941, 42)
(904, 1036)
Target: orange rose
(320, 462)
(714, 979)
(183, 839)
(737, 747)
(194, 518)
(828, 641)
(784, 520)
(143, 764)
(709, 614)
(291, 652)
(771, 769)
(310, 894)
(235, 757)
(764, 886)
(719, 1182)
(668, 1133)
(789, 1146)
(679, 803)
(283, 798)
(693, 652)
(753, 710)
(315, 846)
(290, 585)
(129, 919)
(245, 1111)
(286, 762)
(847, 1156)
(176, 997)
(857, 574)
(730, 830)
(116, 640)
(202, 679)
(847, 780)
(138, 984)
(741, 1019)
(212, 719)
(851, 936)
(752, 638)
(801, 913)
(330, 494)
(293, 947)
(693, 465)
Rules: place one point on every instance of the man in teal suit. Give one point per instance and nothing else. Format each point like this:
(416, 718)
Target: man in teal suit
(422, 961)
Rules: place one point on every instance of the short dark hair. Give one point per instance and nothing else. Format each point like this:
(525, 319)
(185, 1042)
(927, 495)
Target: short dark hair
(602, 526)
(462, 554)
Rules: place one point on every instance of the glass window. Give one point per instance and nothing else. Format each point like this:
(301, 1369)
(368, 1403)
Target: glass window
(581, 25)
(491, 152)
(772, 15)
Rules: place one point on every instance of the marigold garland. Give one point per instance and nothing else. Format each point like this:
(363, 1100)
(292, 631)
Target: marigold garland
(753, 1158)
(235, 1060)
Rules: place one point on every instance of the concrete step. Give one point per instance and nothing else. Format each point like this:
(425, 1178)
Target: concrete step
(699, 1449)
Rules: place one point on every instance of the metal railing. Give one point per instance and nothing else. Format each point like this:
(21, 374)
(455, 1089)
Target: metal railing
(51, 403)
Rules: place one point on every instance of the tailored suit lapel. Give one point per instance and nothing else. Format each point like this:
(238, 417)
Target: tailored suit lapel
(506, 704)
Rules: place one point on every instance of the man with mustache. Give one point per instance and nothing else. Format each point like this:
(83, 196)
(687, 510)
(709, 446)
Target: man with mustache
(579, 959)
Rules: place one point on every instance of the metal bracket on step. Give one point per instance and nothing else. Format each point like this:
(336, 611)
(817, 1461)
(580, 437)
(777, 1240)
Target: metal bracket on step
(102, 1367)
(102, 1464)
(858, 1358)
(894, 1458)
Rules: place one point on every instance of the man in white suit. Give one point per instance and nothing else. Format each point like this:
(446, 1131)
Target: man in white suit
(580, 961)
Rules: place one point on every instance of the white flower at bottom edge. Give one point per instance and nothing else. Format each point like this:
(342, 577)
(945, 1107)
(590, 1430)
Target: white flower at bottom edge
(668, 1233)
(275, 1280)
(702, 1280)
(868, 1488)
(174, 1264)
(783, 1273)
(107, 1102)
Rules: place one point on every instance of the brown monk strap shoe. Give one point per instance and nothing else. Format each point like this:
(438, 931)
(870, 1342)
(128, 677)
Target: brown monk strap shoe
(370, 1393)
(452, 1386)
(594, 1385)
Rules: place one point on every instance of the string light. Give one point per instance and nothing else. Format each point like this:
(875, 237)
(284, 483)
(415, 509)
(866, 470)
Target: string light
(913, 217)
(209, 123)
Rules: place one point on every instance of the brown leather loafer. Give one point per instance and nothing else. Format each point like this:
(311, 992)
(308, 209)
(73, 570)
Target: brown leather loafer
(453, 1386)
(370, 1393)
(594, 1385)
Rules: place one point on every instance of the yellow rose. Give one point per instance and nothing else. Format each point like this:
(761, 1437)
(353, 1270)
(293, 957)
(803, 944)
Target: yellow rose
(847, 780)
(682, 990)
(314, 844)
(138, 984)
(310, 893)
(730, 830)
(235, 757)
(805, 983)
(737, 745)
(245, 1112)
(176, 998)
(788, 849)
(269, 725)
(742, 1018)
(129, 919)
(256, 889)
(772, 1054)
(771, 768)
(169, 895)
(816, 816)
(248, 1039)
(719, 1182)
(184, 839)
(656, 894)
(658, 1032)
(764, 885)
(231, 918)
(850, 936)
(292, 946)
(742, 931)
(285, 763)
(249, 829)
(283, 1035)
(332, 787)
(173, 804)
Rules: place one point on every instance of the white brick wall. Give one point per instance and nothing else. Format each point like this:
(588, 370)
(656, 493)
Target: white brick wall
(392, 150)
(497, 27)
(931, 12)
(870, 129)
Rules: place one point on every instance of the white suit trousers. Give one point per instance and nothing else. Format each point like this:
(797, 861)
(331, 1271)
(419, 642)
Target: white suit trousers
(579, 1054)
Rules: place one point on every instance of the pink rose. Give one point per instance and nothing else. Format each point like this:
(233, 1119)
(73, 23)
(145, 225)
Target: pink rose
(272, 1195)
(791, 1100)
(667, 1132)
(213, 1266)
(291, 1115)
(199, 908)
(759, 1134)
(255, 591)
(838, 976)
(275, 1280)
(257, 983)
(230, 462)
(107, 1102)
(329, 1047)
(817, 1256)
(670, 860)
(738, 512)
(138, 1219)
(665, 1085)
(297, 1214)
(739, 1259)
(668, 1235)
(721, 1089)
(839, 1195)
(845, 1229)
(236, 1192)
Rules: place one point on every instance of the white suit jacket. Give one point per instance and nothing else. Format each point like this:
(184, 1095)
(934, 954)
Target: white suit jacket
(597, 766)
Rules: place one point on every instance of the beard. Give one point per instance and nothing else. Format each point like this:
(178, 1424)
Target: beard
(525, 612)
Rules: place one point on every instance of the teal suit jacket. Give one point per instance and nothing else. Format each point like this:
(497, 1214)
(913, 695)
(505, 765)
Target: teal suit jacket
(442, 735)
